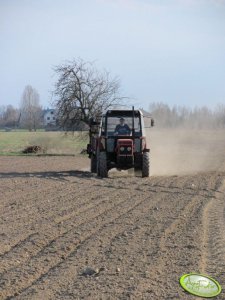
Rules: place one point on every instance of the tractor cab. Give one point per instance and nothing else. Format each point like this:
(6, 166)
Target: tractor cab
(122, 123)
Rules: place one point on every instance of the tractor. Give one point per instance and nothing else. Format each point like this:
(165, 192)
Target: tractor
(118, 141)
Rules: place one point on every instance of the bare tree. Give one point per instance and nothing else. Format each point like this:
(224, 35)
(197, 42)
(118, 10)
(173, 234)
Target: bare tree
(82, 92)
(30, 109)
(9, 116)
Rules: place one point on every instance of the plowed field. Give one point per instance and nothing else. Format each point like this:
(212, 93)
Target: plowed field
(137, 235)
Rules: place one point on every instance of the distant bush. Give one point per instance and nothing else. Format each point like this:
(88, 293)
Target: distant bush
(32, 149)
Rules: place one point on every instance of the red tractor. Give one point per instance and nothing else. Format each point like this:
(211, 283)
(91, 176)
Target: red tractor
(119, 141)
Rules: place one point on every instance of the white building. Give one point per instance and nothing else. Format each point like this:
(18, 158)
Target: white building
(49, 116)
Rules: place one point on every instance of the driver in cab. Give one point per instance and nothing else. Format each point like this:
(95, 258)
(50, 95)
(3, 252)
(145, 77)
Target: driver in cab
(122, 128)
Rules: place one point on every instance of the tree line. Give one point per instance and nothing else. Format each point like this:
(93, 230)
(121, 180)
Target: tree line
(29, 116)
(185, 117)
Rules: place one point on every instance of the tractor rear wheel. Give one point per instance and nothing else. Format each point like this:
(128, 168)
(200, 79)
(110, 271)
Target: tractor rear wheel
(102, 166)
(145, 164)
(93, 163)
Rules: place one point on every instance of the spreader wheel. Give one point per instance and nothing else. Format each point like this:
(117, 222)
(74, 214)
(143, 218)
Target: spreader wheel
(102, 167)
(93, 163)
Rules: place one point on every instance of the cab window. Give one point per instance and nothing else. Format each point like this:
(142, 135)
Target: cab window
(112, 122)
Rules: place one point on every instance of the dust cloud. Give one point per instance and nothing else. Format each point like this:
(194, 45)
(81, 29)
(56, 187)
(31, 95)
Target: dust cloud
(185, 151)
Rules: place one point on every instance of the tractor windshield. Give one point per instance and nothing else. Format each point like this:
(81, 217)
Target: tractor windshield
(123, 126)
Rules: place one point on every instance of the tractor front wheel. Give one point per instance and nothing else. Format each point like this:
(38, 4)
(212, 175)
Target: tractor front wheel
(145, 164)
(102, 165)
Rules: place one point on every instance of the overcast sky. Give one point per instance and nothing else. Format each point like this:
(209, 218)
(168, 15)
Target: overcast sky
(170, 51)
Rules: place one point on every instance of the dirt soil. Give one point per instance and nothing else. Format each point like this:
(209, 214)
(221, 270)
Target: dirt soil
(66, 234)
